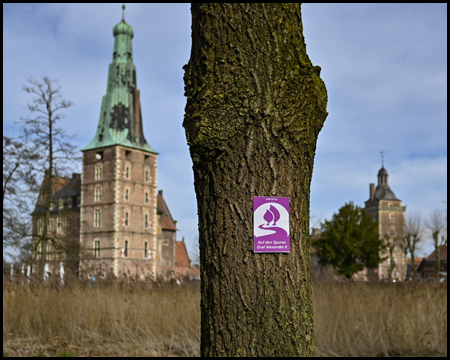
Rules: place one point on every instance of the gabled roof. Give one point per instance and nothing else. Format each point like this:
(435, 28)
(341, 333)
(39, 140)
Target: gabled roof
(73, 188)
(62, 187)
(182, 255)
(166, 221)
(442, 253)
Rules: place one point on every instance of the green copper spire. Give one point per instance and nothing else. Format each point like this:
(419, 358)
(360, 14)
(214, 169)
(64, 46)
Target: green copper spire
(120, 120)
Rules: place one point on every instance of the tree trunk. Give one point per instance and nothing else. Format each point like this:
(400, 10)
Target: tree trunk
(437, 249)
(255, 106)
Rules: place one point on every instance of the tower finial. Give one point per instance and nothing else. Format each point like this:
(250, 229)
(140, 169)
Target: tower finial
(123, 12)
(382, 159)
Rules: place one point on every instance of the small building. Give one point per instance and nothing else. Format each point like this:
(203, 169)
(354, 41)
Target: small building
(427, 267)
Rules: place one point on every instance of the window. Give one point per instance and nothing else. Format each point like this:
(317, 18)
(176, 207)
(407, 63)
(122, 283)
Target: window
(125, 219)
(40, 227)
(127, 170)
(165, 242)
(146, 197)
(61, 203)
(391, 217)
(145, 249)
(98, 172)
(392, 232)
(147, 175)
(59, 226)
(97, 194)
(68, 225)
(48, 256)
(125, 249)
(97, 218)
(126, 195)
(39, 251)
(96, 248)
(146, 222)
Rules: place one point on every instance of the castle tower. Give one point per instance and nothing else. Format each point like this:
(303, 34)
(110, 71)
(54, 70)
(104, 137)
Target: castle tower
(387, 210)
(118, 191)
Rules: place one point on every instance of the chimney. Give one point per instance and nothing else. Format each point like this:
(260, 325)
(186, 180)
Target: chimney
(372, 191)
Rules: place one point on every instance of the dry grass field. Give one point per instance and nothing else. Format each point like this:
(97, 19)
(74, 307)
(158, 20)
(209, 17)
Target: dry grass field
(116, 319)
(380, 319)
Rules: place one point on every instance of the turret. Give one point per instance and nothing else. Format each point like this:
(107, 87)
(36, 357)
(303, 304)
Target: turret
(120, 121)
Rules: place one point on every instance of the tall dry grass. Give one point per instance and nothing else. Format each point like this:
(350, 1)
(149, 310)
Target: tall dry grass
(114, 319)
(380, 319)
(117, 319)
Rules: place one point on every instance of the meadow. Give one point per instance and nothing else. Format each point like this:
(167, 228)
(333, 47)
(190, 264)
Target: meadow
(155, 319)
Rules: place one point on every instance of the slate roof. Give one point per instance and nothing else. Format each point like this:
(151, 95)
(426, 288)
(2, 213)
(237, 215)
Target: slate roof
(63, 187)
(383, 192)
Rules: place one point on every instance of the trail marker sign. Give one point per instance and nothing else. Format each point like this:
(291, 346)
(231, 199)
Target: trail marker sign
(271, 225)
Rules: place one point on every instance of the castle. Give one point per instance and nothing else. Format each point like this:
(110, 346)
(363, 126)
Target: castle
(111, 219)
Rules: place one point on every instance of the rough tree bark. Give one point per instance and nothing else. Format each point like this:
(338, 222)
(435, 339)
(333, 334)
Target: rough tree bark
(255, 106)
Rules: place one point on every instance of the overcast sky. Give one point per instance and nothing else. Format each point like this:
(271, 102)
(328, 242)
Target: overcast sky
(384, 66)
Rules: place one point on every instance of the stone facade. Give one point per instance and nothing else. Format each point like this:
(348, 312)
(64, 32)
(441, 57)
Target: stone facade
(118, 211)
(63, 228)
(107, 245)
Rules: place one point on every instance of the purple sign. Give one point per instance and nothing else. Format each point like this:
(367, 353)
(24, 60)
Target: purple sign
(271, 224)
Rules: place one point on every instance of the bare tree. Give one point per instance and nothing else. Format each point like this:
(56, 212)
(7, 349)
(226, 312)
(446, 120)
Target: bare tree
(42, 131)
(413, 236)
(18, 178)
(194, 253)
(437, 225)
(255, 107)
